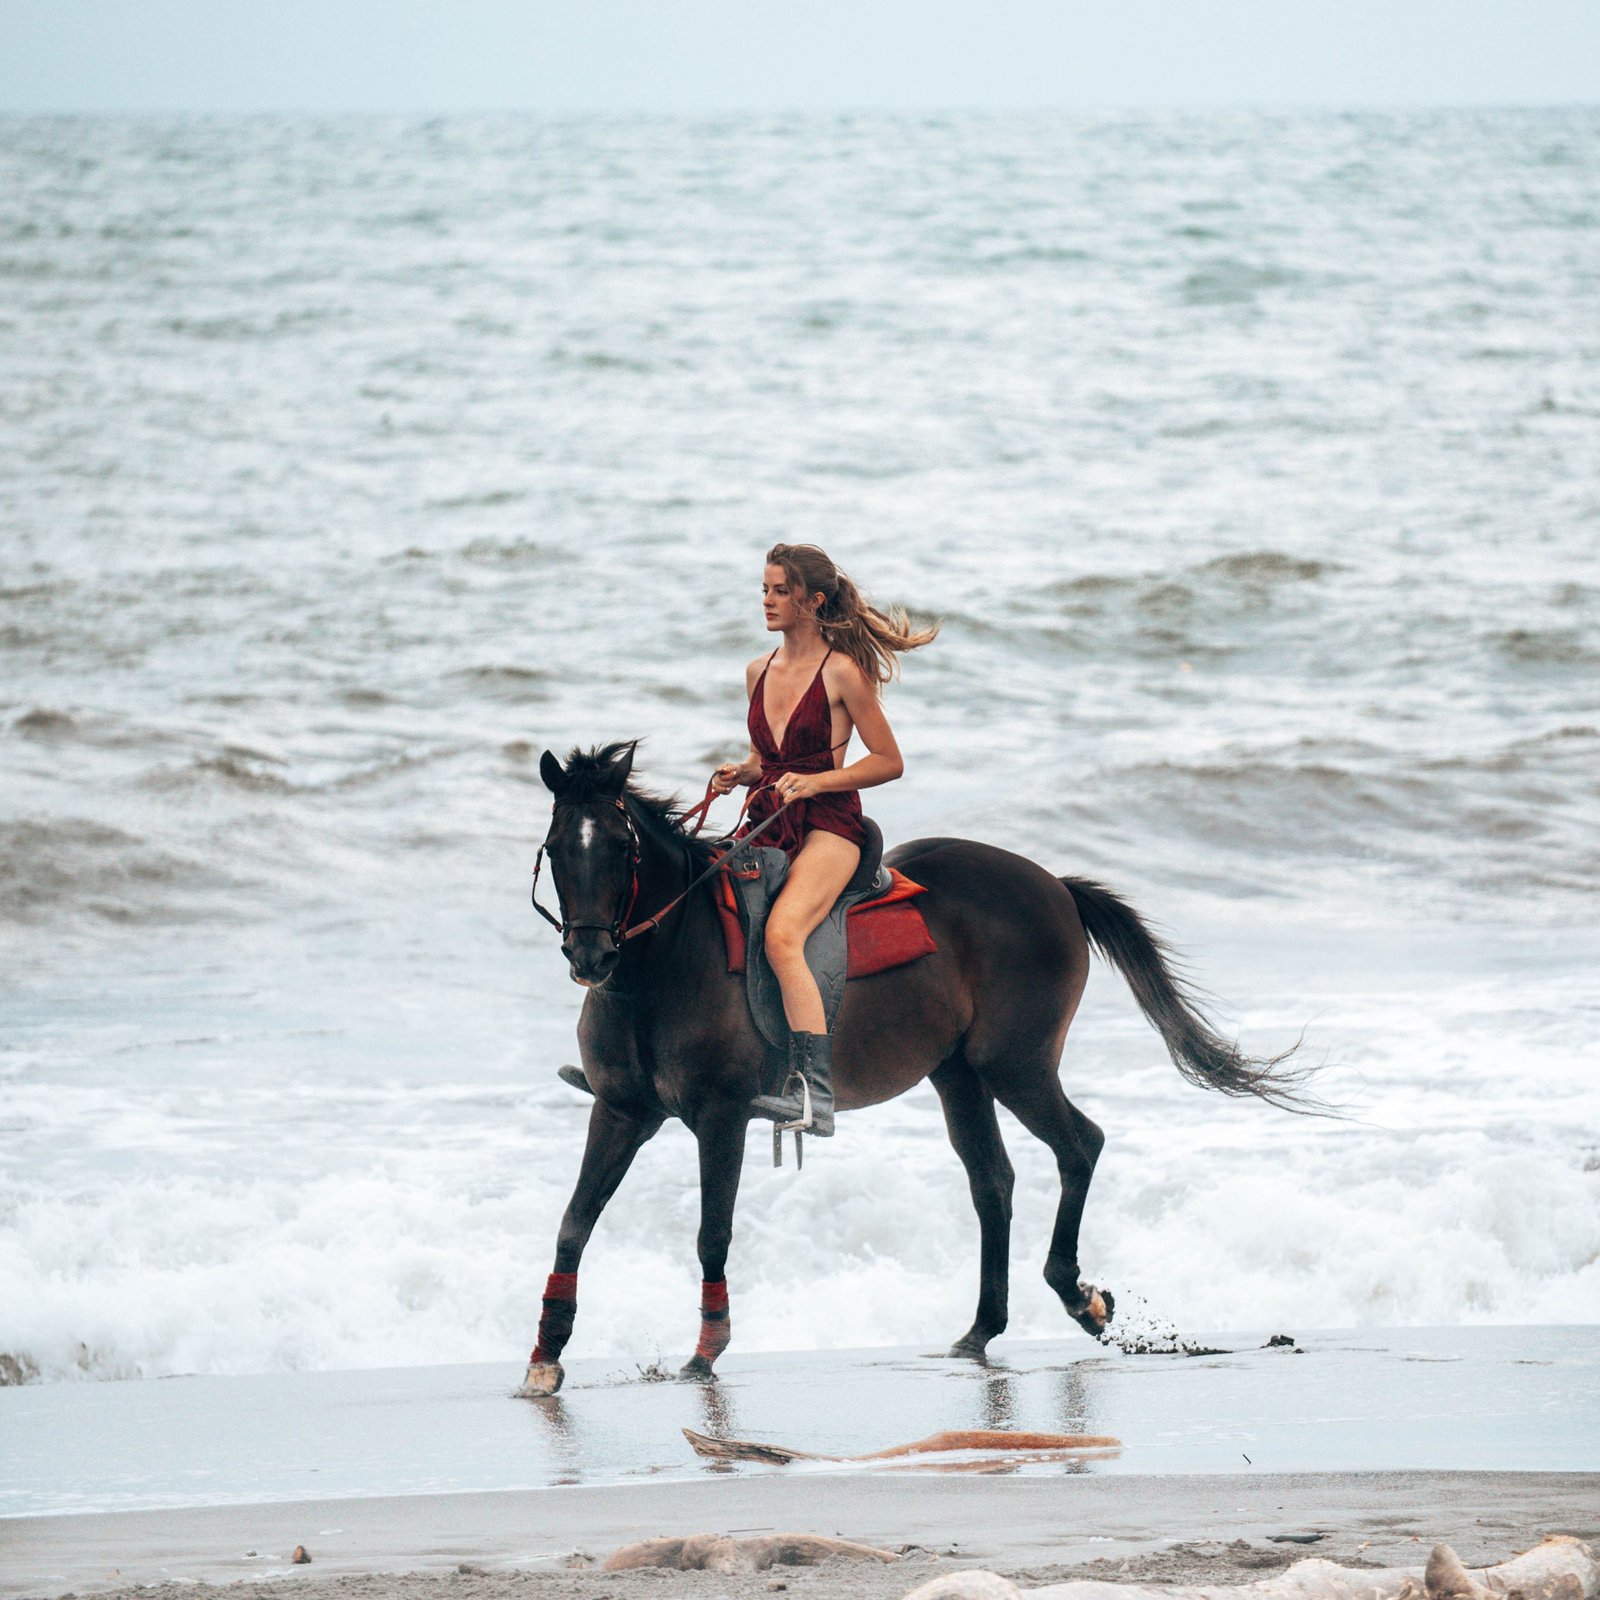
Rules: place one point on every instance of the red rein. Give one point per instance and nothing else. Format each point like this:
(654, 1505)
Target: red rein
(702, 811)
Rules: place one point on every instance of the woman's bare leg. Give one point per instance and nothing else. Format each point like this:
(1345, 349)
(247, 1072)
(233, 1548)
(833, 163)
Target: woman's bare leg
(817, 875)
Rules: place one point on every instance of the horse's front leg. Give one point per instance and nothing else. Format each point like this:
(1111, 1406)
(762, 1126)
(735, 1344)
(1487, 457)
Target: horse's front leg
(615, 1138)
(719, 1130)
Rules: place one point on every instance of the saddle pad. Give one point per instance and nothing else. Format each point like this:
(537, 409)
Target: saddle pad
(881, 933)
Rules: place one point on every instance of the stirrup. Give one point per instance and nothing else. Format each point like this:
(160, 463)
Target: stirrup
(800, 1126)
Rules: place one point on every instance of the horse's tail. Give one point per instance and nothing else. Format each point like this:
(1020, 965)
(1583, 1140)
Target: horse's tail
(1199, 1052)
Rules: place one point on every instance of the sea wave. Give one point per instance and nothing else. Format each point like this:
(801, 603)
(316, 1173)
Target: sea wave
(76, 867)
(516, 684)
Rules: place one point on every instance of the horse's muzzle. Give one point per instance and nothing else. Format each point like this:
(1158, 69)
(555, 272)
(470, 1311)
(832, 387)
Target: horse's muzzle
(591, 956)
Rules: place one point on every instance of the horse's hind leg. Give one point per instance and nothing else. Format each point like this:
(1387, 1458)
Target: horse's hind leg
(614, 1140)
(1033, 1094)
(969, 1117)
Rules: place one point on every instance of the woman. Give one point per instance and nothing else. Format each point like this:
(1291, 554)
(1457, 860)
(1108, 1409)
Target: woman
(823, 682)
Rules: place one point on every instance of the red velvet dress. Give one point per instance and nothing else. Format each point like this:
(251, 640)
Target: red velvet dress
(807, 747)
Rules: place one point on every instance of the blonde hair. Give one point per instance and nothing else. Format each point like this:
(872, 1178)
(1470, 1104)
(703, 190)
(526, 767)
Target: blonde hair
(849, 623)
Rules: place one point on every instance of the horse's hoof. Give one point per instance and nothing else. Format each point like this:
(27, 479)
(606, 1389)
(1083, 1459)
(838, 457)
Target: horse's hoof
(540, 1381)
(1097, 1309)
(970, 1347)
(696, 1367)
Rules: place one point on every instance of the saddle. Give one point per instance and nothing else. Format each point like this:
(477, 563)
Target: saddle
(873, 927)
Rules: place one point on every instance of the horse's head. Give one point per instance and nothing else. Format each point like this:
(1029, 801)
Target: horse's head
(593, 848)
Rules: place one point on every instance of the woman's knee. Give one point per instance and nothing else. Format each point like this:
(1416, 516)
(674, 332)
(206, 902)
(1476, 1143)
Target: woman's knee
(785, 938)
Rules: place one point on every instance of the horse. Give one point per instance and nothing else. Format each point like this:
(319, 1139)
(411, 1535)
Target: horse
(665, 1031)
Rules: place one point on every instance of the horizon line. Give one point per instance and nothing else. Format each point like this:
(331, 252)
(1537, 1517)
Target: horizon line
(863, 109)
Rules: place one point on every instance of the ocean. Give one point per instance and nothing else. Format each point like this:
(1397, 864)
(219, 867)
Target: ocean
(1250, 463)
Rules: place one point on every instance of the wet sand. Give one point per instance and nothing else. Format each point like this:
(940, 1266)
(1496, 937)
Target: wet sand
(1383, 1443)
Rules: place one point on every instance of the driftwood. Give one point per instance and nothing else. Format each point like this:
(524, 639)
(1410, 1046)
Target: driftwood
(1561, 1568)
(715, 1552)
(988, 1441)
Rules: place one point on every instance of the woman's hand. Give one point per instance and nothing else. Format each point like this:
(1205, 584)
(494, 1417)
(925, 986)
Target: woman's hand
(730, 775)
(798, 786)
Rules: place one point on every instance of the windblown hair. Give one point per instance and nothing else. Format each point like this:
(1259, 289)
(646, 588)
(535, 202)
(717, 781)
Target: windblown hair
(870, 637)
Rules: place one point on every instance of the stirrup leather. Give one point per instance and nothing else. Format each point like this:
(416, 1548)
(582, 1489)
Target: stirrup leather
(801, 1125)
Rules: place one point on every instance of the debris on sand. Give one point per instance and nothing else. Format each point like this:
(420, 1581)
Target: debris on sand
(716, 1552)
(1162, 1344)
(1140, 1333)
(983, 1441)
(1562, 1568)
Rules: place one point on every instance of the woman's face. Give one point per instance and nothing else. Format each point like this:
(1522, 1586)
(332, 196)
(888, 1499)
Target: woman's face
(780, 600)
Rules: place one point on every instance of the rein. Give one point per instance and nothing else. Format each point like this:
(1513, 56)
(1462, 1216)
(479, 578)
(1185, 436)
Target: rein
(702, 811)
(618, 928)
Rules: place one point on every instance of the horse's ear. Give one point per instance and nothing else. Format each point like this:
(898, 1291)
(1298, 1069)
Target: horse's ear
(624, 766)
(555, 778)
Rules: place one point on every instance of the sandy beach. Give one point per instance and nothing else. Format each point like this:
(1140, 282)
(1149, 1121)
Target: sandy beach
(1361, 1448)
(1034, 1530)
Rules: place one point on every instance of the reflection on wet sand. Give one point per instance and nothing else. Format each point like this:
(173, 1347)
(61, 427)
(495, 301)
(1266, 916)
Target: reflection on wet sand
(999, 1466)
(716, 1406)
(997, 1400)
(1074, 1407)
(566, 1440)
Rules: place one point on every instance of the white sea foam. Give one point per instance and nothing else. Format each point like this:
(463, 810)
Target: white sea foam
(216, 1227)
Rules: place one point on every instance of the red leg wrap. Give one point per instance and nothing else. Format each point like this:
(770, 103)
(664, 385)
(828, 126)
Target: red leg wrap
(715, 1329)
(555, 1323)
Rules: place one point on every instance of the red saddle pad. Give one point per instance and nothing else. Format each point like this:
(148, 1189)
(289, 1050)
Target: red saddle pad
(881, 934)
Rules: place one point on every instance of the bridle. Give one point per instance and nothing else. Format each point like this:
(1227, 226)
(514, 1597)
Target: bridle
(624, 907)
(618, 928)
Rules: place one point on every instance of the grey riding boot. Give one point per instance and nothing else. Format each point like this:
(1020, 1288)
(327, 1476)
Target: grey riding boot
(811, 1065)
(574, 1076)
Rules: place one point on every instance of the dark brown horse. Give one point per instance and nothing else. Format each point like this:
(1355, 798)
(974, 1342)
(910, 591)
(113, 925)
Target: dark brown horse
(666, 1032)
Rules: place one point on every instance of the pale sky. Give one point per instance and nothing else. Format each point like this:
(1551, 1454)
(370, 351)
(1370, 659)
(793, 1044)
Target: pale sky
(687, 55)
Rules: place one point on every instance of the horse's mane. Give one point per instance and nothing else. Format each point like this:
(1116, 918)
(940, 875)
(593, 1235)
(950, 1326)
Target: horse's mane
(596, 774)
